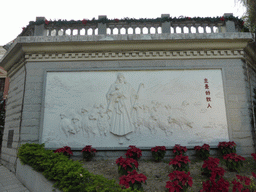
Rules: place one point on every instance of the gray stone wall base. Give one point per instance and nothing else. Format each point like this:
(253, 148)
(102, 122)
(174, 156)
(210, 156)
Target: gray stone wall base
(33, 180)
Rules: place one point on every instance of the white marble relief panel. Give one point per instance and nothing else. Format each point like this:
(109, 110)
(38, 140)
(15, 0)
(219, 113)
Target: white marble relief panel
(143, 108)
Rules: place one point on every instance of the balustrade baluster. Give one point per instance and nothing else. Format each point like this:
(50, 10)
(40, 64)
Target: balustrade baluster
(197, 28)
(204, 27)
(189, 29)
(182, 28)
(50, 31)
(148, 30)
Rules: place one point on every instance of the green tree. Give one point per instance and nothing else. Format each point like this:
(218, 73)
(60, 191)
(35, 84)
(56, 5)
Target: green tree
(250, 15)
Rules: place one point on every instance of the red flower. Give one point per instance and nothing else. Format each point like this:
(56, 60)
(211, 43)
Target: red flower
(177, 149)
(247, 180)
(84, 21)
(46, 22)
(127, 162)
(222, 18)
(131, 178)
(88, 148)
(161, 148)
(237, 186)
(173, 186)
(179, 159)
(254, 175)
(23, 28)
(133, 152)
(182, 177)
(116, 20)
(64, 150)
(234, 157)
(211, 163)
(254, 156)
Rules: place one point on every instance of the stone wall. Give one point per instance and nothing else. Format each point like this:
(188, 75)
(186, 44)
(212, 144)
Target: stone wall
(234, 84)
(13, 119)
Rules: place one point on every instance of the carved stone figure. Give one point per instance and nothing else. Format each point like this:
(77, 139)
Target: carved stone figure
(66, 126)
(120, 99)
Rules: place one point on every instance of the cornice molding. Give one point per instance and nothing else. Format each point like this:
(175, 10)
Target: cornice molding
(136, 55)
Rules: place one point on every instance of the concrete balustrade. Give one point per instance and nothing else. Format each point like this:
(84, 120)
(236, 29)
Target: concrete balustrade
(133, 27)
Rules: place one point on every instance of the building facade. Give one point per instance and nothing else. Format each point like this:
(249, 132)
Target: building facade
(101, 83)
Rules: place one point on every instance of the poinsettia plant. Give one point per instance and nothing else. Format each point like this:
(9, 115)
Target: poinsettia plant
(133, 180)
(234, 161)
(158, 152)
(214, 185)
(125, 165)
(66, 150)
(227, 147)
(203, 152)
(178, 150)
(210, 165)
(180, 181)
(88, 152)
(254, 156)
(180, 163)
(133, 152)
(243, 183)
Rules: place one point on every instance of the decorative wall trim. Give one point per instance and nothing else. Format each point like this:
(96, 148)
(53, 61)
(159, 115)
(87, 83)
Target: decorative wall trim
(137, 55)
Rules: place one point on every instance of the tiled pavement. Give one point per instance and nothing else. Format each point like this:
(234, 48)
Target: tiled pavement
(9, 181)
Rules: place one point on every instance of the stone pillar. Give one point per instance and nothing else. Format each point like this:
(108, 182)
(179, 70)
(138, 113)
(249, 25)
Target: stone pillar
(230, 25)
(39, 29)
(166, 26)
(102, 27)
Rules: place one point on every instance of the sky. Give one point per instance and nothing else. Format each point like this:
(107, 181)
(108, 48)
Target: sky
(16, 14)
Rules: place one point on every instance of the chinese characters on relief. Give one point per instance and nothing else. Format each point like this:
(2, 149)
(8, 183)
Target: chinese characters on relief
(207, 93)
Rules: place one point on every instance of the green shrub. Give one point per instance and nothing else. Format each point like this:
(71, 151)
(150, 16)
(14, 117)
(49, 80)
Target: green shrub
(69, 175)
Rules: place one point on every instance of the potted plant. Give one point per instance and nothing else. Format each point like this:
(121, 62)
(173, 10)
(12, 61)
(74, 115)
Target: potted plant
(180, 163)
(158, 152)
(125, 165)
(203, 152)
(180, 181)
(178, 150)
(133, 152)
(133, 180)
(88, 152)
(65, 151)
(234, 161)
(227, 147)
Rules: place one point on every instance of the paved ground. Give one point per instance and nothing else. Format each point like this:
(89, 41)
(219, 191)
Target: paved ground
(9, 181)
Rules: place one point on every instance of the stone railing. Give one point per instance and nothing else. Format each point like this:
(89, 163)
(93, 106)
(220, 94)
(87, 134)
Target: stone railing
(146, 26)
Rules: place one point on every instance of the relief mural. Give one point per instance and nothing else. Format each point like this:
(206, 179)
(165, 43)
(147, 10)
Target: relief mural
(142, 110)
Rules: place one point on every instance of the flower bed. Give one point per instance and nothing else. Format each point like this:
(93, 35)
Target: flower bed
(219, 178)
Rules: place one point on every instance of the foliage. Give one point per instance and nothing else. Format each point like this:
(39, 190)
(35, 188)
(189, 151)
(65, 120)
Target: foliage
(227, 147)
(203, 152)
(179, 181)
(65, 150)
(211, 165)
(180, 163)
(178, 150)
(133, 180)
(125, 165)
(213, 185)
(250, 16)
(243, 184)
(133, 152)
(234, 161)
(158, 152)
(254, 156)
(69, 175)
(88, 152)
